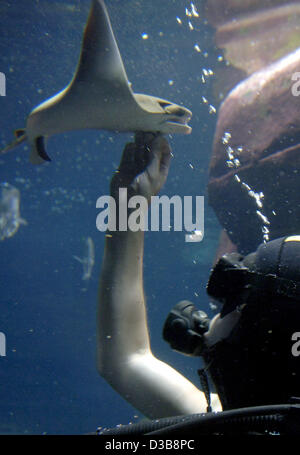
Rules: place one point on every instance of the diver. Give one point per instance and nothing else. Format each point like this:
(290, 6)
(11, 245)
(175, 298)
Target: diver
(246, 347)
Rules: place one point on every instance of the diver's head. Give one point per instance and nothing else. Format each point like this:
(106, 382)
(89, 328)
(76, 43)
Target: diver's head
(247, 347)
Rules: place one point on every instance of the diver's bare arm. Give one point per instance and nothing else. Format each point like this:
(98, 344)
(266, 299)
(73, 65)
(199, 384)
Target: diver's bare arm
(124, 355)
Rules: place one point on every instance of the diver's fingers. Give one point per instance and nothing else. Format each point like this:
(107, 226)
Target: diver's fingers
(127, 160)
(165, 155)
(159, 166)
(144, 139)
(126, 170)
(142, 157)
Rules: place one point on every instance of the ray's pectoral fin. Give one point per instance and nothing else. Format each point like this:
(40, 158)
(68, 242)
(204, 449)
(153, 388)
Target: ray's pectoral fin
(100, 58)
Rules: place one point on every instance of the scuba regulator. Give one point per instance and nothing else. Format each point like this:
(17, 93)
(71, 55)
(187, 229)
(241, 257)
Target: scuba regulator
(184, 328)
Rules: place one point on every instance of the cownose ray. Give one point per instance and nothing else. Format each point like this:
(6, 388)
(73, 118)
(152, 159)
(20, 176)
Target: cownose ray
(99, 96)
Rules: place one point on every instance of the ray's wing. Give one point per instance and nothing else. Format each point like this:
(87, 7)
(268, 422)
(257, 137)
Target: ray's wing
(100, 62)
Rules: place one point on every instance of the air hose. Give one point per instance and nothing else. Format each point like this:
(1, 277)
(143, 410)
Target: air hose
(283, 419)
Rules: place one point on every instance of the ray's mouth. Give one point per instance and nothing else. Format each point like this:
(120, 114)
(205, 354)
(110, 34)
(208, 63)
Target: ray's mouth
(184, 120)
(177, 112)
(177, 117)
(180, 121)
(178, 126)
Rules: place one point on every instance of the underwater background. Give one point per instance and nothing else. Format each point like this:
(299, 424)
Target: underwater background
(48, 378)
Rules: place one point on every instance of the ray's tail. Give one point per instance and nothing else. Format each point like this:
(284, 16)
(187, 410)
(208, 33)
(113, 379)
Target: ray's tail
(20, 136)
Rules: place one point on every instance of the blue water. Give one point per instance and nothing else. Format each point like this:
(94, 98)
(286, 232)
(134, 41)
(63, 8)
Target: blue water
(49, 381)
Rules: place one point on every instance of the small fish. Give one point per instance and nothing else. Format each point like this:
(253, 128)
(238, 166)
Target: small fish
(10, 218)
(88, 260)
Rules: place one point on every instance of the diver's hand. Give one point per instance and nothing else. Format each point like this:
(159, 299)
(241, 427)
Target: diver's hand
(144, 166)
